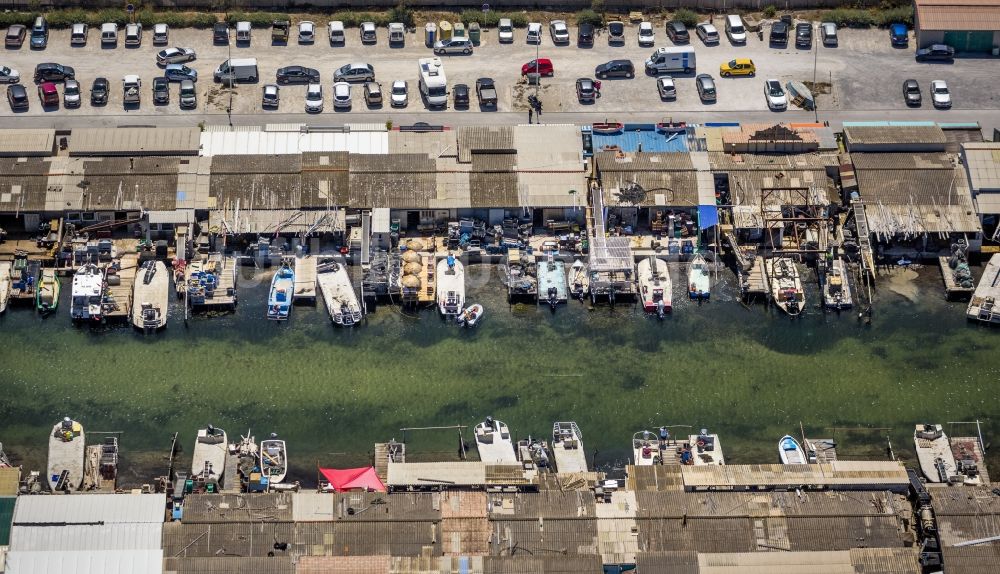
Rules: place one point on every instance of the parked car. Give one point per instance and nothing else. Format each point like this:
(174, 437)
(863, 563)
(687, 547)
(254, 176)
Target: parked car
(368, 34)
(270, 96)
(559, 32)
(486, 92)
(828, 33)
(335, 30)
(666, 88)
(586, 90)
(342, 95)
(899, 35)
(71, 94)
(399, 94)
(738, 67)
(615, 69)
(175, 56)
(541, 66)
(188, 96)
(17, 97)
(280, 30)
(161, 34)
(161, 91)
(180, 72)
(940, 94)
(678, 32)
(775, 95)
(911, 93)
(706, 88)
(708, 33)
(453, 46)
(936, 52)
(307, 32)
(244, 33)
(461, 94)
(9, 75)
(314, 97)
(133, 35)
(735, 29)
(15, 36)
(505, 30)
(51, 72)
(803, 35)
(78, 34)
(616, 32)
(220, 33)
(585, 34)
(297, 75)
(534, 33)
(355, 72)
(99, 91)
(48, 94)
(373, 94)
(40, 34)
(647, 37)
(779, 34)
(109, 34)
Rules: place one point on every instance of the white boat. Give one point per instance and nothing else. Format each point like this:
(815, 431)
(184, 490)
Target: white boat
(706, 449)
(338, 294)
(4, 284)
(150, 296)
(786, 286)
(279, 298)
(579, 279)
(66, 456)
(88, 294)
(837, 288)
(983, 305)
(494, 442)
(450, 286)
(699, 280)
(645, 448)
(790, 452)
(654, 285)
(274, 459)
(209, 461)
(471, 315)
(567, 447)
(934, 453)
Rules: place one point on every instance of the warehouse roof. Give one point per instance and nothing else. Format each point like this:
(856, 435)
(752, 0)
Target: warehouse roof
(292, 142)
(722, 162)
(669, 178)
(229, 508)
(86, 562)
(960, 15)
(968, 514)
(106, 508)
(230, 565)
(982, 165)
(895, 134)
(839, 474)
(135, 141)
(24, 143)
(484, 139)
(870, 560)
(550, 165)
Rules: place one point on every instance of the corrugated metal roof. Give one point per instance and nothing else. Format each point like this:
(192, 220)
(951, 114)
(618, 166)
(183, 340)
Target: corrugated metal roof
(557, 536)
(465, 536)
(884, 135)
(972, 501)
(24, 166)
(431, 144)
(312, 506)
(239, 539)
(982, 164)
(902, 161)
(135, 141)
(748, 161)
(544, 504)
(230, 508)
(229, 565)
(257, 191)
(972, 559)
(391, 163)
(96, 537)
(273, 220)
(24, 185)
(107, 508)
(886, 560)
(543, 564)
(651, 504)
(463, 504)
(6, 516)
(344, 538)
(343, 565)
(663, 189)
(493, 189)
(641, 140)
(654, 478)
(613, 162)
(138, 166)
(250, 164)
(473, 139)
(913, 186)
(130, 192)
(86, 561)
(378, 506)
(30, 142)
(958, 15)
(292, 142)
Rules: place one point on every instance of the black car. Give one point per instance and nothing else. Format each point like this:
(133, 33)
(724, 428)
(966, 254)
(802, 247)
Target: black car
(615, 69)
(161, 90)
(911, 92)
(99, 92)
(49, 72)
(937, 52)
(461, 92)
(298, 74)
(779, 33)
(585, 35)
(678, 32)
(17, 97)
(220, 33)
(803, 34)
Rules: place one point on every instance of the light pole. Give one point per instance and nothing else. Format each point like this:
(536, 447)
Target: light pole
(815, 44)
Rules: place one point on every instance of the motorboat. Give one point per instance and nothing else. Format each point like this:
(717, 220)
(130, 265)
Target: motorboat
(607, 128)
(699, 280)
(274, 459)
(937, 461)
(471, 315)
(47, 292)
(150, 296)
(983, 304)
(450, 288)
(837, 288)
(338, 294)
(567, 447)
(208, 465)
(5, 284)
(552, 280)
(790, 452)
(279, 298)
(66, 456)
(494, 442)
(654, 285)
(88, 294)
(579, 279)
(786, 286)
(646, 448)
(703, 449)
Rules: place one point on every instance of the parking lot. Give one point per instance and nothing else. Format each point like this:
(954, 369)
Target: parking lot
(863, 72)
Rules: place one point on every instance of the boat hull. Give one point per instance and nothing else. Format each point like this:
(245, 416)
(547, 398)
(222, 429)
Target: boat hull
(279, 299)
(699, 282)
(47, 293)
(450, 287)
(471, 315)
(209, 460)
(790, 452)
(654, 285)
(338, 295)
(274, 460)
(67, 449)
(150, 296)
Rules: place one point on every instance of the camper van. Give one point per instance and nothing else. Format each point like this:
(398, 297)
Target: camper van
(433, 83)
(671, 59)
(237, 70)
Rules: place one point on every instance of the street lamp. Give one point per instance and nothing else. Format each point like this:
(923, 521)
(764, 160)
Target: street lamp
(815, 44)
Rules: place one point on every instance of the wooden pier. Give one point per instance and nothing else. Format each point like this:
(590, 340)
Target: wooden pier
(118, 298)
(753, 281)
(820, 450)
(953, 289)
(224, 268)
(305, 279)
(386, 452)
(983, 306)
(428, 278)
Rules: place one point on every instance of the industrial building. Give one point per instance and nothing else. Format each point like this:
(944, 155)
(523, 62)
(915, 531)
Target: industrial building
(967, 25)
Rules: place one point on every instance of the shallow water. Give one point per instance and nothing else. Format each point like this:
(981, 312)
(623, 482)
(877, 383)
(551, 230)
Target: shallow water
(749, 374)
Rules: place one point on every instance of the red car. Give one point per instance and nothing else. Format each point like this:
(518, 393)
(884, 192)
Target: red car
(48, 94)
(544, 67)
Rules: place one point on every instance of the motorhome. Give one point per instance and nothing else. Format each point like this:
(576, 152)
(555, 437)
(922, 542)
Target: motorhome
(433, 83)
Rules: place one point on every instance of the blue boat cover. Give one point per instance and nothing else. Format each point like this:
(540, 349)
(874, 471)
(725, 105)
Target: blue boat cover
(788, 443)
(708, 215)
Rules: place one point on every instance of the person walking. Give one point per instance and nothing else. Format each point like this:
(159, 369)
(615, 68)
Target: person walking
(530, 114)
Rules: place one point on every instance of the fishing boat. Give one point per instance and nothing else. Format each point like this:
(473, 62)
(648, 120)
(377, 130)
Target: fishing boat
(552, 280)
(66, 456)
(790, 452)
(471, 315)
(703, 449)
(983, 305)
(279, 299)
(699, 280)
(837, 288)
(88, 294)
(671, 127)
(518, 273)
(494, 442)
(208, 465)
(579, 279)
(645, 448)
(937, 461)
(450, 286)
(4, 284)
(608, 128)
(47, 293)
(150, 296)
(786, 286)
(23, 277)
(567, 447)
(800, 95)
(338, 294)
(654, 285)
(274, 459)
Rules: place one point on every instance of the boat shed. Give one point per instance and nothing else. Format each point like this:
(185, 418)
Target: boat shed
(875, 560)
(87, 534)
(293, 140)
(966, 25)
(27, 143)
(838, 475)
(894, 137)
(134, 142)
(982, 167)
(667, 179)
(968, 522)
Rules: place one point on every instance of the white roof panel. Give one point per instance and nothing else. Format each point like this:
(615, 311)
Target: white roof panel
(290, 143)
(86, 562)
(142, 536)
(106, 508)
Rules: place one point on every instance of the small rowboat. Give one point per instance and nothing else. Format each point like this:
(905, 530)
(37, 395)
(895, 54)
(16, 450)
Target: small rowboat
(671, 127)
(790, 452)
(471, 315)
(608, 128)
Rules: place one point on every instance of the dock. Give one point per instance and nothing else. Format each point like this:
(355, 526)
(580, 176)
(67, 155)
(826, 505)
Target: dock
(118, 298)
(385, 453)
(952, 288)
(305, 279)
(428, 281)
(864, 240)
(983, 305)
(216, 293)
(820, 450)
(753, 281)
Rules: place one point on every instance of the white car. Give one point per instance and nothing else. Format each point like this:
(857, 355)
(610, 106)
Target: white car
(559, 32)
(708, 33)
(307, 32)
(342, 95)
(505, 29)
(940, 94)
(646, 35)
(534, 33)
(775, 95)
(9, 75)
(314, 98)
(175, 56)
(666, 88)
(399, 94)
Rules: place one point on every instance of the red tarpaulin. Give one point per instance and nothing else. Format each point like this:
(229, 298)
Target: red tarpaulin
(353, 479)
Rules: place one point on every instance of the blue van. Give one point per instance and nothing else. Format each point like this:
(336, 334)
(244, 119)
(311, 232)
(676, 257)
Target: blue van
(898, 34)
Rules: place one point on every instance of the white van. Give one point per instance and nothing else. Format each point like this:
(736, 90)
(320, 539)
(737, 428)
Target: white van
(671, 59)
(336, 30)
(109, 33)
(237, 70)
(735, 30)
(396, 30)
(243, 32)
(133, 35)
(161, 34)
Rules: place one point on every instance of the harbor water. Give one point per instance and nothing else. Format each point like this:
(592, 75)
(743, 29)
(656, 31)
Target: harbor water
(750, 374)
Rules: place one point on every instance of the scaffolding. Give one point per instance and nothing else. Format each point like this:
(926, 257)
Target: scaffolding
(610, 259)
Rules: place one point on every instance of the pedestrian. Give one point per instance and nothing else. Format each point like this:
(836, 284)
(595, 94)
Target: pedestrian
(530, 114)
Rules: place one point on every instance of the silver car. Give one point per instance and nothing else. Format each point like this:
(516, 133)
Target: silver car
(271, 96)
(666, 88)
(180, 72)
(314, 98)
(9, 75)
(175, 56)
(342, 95)
(399, 94)
(356, 72)
(453, 46)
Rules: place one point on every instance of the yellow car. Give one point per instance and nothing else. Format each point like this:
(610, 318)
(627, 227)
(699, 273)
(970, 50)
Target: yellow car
(738, 67)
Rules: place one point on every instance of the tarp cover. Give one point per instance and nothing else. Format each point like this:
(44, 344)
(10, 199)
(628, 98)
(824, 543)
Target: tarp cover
(353, 479)
(708, 215)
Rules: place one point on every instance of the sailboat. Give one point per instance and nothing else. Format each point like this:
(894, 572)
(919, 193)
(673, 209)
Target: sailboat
(47, 293)
(338, 294)
(450, 286)
(88, 294)
(208, 464)
(837, 289)
(654, 285)
(150, 294)
(579, 279)
(786, 286)
(699, 281)
(279, 299)
(66, 455)
(274, 459)
(790, 452)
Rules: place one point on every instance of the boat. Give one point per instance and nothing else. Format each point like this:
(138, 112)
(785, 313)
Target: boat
(279, 299)
(567, 447)
(703, 449)
(937, 461)
(66, 456)
(494, 442)
(471, 315)
(5, 267)
(800, 95)
(837, 287)
(208, 465)
(274, 459)
(983, 305)
(786, 286)
(552, 280)
(88, 294)
(654, 285)
(671, 127)
(534, 454)
(47, 293)
(518, 274)
(338, 294)
(699, 280)
(150, 296)
(579, 279)
(4, 461)
(23, 277)
(607, 128)
(790, 452)
(450, 286)
(646, 448)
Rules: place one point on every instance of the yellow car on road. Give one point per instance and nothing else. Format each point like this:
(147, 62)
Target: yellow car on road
(738, 67)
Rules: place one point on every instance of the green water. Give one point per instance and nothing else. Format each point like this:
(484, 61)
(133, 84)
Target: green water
(750, 375)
